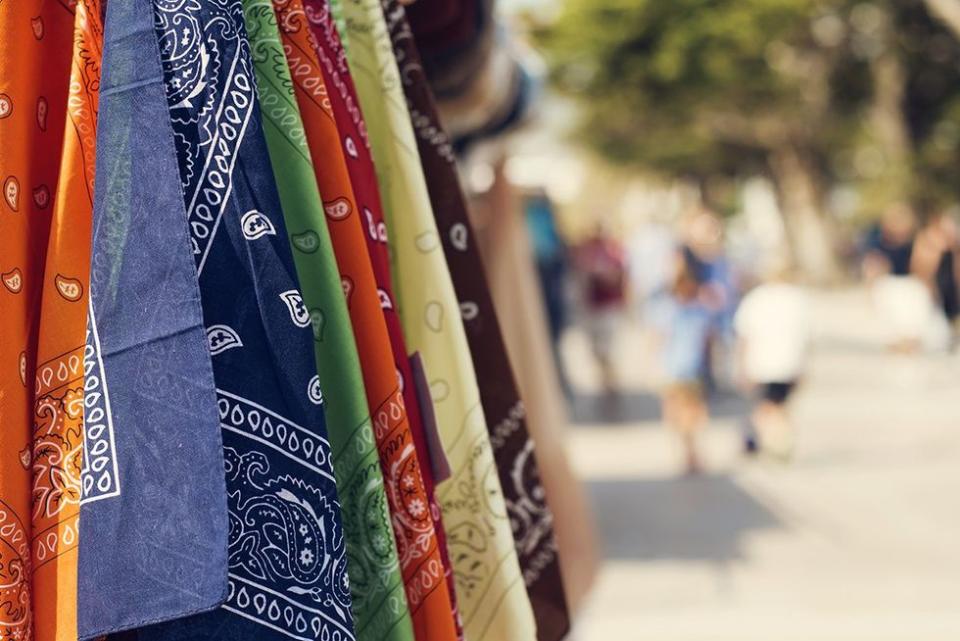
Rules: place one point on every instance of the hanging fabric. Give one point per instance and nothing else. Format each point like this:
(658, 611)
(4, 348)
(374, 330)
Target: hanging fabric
(287, 575)
(36, 41)
(379, 603)
(58, 434)
(417, 543)
(153, 518)
(362, 176)
(339, 22)
(166, 390)
(513, 449)
(490, 589)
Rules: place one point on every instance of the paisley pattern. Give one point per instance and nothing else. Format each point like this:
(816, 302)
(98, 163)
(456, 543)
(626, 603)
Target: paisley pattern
(418, 547)
(255, 225)
(149, 397)
(354, 165)
(287, 554)
(220, 338)
(13, 280)
(101, 477)
(379, 603)
(491, 594)
(58, 451)
(15, 612)
(282, 531)
(209, 120)
(37, 532)
(513, 451)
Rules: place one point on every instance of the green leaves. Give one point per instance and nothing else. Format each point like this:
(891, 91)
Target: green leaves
(714, 86)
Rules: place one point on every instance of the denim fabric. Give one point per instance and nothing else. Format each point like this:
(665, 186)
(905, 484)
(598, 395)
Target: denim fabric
(287, 575)
(153, 519)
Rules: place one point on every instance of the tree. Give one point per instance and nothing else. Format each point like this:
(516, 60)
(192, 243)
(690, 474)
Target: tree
(811, 93)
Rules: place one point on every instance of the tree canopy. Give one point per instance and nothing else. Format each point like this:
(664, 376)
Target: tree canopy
(859, 93)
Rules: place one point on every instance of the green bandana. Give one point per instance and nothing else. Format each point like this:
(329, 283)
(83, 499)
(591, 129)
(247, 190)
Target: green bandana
(379, 604)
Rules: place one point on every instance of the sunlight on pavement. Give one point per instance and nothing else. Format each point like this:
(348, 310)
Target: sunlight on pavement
(854, 539)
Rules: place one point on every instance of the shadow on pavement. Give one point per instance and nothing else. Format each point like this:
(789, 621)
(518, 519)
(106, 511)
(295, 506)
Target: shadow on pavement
(642, 406)
(700, 518)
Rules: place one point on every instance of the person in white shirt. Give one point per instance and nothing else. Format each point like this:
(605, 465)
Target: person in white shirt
(772, 325)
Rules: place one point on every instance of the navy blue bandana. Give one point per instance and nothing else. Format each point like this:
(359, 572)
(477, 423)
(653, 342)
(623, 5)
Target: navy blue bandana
(287, 575)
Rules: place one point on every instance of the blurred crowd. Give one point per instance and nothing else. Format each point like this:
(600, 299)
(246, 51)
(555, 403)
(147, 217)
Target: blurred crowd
(732, 326)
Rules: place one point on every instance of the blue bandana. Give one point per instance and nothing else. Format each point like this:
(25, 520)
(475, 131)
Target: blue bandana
(287, 566)
(288, 575)
(153, 518)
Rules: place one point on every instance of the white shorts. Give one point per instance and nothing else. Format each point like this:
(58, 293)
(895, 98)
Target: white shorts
(905, 306)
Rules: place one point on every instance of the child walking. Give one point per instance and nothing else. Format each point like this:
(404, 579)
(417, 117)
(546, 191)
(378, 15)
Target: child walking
(686, 326)
(773, 331)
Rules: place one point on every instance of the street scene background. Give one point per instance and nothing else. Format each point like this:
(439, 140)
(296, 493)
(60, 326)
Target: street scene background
(854, 539)
(742, 218)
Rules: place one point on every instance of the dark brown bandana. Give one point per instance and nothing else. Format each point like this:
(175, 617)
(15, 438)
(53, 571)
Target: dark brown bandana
(513, 449)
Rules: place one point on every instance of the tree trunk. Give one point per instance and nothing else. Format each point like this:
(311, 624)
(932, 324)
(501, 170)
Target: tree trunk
(890, 128)
(808, 230)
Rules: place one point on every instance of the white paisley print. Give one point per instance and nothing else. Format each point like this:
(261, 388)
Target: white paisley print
(287, 554)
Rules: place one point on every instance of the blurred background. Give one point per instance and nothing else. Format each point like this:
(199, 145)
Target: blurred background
(723, 241)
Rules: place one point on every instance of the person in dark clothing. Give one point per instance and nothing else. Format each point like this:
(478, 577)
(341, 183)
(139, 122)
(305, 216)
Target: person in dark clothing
(946, 281)
(894, 260)
(889, 244)
(934, 262)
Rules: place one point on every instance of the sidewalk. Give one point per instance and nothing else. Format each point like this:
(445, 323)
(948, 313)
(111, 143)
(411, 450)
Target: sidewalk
(857, 540)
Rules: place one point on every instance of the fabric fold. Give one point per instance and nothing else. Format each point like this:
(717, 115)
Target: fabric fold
(513, 449)
(490, 588)
(152, 546)
(379, 603)
(58, 456)
(287, 554)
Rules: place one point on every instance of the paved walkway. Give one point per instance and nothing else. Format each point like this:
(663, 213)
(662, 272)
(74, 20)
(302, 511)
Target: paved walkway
(857, 540)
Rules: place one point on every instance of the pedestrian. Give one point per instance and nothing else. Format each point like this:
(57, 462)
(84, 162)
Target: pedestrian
(551, 258)
(772, 325)
(904, 304)
(602, 263)
(934, 262)
(704, 253)
(685, 324)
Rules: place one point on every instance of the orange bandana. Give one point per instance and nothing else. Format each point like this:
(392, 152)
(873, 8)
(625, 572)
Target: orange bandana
(39, 471)
(58, 420)
(419, 552)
